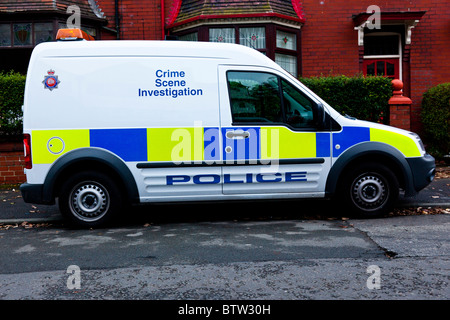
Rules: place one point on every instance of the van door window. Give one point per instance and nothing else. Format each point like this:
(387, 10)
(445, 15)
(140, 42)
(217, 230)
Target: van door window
(299, 110)
(254, 97)
(264, 98)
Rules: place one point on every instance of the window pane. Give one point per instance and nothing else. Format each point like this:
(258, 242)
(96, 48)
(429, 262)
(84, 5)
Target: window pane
(381, 45)
(22, 34)
(43, 32)
(189, 37)
(225, 35)
(5, 35)
(371, 69)
(287, 62)
(254, 97)
(380, 68)
(253, 37)
(390, 69)
(299, 110)
(286, 40)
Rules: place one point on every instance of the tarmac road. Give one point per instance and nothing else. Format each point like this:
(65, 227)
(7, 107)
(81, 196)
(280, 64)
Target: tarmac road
(265, 260)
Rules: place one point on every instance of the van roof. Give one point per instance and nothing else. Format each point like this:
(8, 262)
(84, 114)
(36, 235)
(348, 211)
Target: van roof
(230, 53)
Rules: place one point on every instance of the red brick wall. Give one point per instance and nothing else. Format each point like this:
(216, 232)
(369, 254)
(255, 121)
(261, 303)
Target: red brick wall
(107, 7)
(430, 52)
(139, 20)
(11, 163)
(329, 43)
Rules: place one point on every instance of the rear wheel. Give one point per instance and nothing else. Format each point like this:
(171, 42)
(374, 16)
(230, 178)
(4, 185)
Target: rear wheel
(370, 190)
(90, 199)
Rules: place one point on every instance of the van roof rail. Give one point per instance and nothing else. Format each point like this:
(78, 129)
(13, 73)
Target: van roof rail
(73, 34)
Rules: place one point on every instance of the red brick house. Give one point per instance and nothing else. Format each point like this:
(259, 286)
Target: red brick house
(410, 41)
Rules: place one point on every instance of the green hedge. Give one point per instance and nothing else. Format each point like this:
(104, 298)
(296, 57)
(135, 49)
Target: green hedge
(365, 98)
(436, 119)
(12, 86)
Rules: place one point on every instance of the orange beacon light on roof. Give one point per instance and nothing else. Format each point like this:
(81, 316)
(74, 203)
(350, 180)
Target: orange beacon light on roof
(73, 34)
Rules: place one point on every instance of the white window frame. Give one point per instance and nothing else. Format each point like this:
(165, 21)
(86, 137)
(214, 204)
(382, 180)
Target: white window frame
(390, 56)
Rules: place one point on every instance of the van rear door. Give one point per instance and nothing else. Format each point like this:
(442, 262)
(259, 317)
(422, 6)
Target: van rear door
(272, 139)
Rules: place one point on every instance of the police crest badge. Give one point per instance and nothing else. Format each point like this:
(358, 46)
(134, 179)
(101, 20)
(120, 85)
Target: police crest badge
(51, 80)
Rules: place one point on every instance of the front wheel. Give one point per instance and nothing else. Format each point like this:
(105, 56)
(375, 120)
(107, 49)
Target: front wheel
(89, 199)
(370, 190)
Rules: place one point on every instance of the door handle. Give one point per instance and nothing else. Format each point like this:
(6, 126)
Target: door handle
(237, 134)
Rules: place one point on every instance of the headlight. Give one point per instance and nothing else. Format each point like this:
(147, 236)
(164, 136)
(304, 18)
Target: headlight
(419, 141)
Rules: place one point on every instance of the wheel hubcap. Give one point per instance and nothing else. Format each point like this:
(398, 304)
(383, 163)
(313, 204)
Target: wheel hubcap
(369, 191)
(89, 201)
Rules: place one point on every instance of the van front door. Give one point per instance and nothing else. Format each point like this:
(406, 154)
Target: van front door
(273, 141)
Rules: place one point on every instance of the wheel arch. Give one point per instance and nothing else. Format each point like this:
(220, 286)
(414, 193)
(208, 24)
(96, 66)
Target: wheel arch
(374, 152)
(90, 159)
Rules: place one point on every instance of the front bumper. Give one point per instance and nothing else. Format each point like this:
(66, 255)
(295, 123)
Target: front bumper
(423, 170)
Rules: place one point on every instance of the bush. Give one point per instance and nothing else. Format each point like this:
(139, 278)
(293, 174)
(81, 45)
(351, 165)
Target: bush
(365, 98)
(12, 86)
(436, 119)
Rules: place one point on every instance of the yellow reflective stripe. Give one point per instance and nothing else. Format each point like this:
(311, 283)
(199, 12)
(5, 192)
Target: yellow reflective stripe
(48, 145)
(175, 144)
(282, 143)
(404, 144)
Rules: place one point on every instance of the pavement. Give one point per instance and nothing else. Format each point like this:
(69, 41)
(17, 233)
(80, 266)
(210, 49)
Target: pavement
(14, 210)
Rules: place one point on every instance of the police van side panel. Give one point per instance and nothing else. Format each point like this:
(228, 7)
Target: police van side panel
(143, 110)
(182, 97)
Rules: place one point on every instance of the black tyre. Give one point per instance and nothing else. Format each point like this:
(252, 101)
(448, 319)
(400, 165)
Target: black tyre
(90, 199)
(370, 190)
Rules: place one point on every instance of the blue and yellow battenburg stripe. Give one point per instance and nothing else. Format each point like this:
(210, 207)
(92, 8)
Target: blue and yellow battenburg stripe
(203, 143)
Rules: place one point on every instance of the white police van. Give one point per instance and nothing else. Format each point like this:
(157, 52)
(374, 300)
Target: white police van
(111, 123)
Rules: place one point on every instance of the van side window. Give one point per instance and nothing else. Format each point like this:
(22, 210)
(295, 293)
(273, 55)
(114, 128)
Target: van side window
(299, 110)
(259, 97)
(254, 97)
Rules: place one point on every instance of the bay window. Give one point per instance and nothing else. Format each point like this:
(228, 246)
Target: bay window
(253, 37)
(279, 43)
